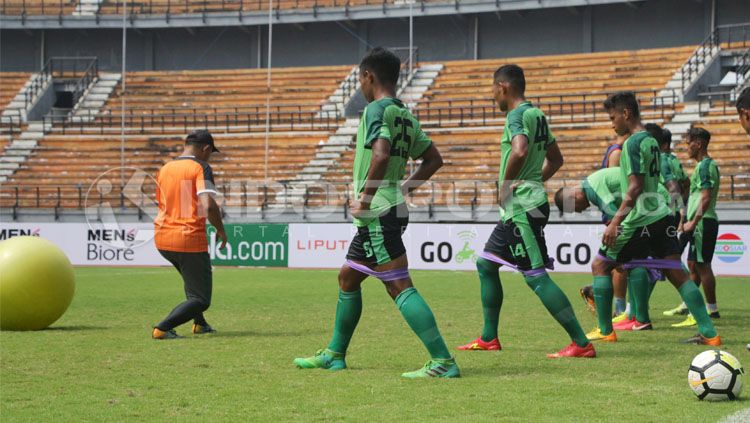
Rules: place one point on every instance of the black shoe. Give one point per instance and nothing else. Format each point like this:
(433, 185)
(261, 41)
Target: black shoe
(201, 329)
(714, 315)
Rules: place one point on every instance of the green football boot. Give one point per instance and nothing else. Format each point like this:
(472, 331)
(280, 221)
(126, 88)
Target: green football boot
(436, 368)
(323, 359)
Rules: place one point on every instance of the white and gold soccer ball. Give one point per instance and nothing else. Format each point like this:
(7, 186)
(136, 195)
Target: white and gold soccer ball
(716, 375)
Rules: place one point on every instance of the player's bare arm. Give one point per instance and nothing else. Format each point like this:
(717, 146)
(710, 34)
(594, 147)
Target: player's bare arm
(704, 204)
(432, 161)
(635, 188)
(381, 153)
(518, 153)
(614, 158)
(213, 211)
(553, 161)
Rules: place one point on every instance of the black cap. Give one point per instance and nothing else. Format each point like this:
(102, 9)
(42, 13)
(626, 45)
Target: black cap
(202, 136)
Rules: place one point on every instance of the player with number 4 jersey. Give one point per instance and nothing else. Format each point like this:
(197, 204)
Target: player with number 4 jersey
(529, 156)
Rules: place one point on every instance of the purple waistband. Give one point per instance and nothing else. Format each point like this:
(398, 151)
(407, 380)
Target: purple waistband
(387, 276)
(550, 264)
(650, 263)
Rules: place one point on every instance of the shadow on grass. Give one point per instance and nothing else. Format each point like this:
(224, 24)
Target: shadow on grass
(75, 328)
(252, 333)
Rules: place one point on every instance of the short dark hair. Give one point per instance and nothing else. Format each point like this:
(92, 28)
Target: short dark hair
(743, 101)
(512, 74)
(384, 64)
(696, 133)
(666, 137)
(560, 200)
(655, 131)
(621, 101)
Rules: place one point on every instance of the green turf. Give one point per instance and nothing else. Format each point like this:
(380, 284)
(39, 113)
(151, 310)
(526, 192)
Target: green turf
(99, 363)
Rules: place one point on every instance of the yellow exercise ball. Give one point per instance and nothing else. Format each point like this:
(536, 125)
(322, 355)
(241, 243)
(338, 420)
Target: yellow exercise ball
(37, 283)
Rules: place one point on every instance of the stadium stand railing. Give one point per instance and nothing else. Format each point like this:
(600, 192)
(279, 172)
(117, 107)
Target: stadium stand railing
(252, 120)
(174, 7)
(732, 36)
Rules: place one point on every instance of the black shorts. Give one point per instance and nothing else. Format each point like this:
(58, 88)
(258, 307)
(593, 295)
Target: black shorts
(657, 240)
(703, 241)
(380, 241)
(520, 240)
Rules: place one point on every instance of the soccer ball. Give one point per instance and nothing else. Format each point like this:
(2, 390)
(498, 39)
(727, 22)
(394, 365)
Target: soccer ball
(716, 376)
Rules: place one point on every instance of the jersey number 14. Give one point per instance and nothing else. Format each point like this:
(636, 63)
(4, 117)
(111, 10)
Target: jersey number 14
(541, 137)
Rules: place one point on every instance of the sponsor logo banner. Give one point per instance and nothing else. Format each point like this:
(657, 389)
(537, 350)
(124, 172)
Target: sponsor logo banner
(100, 245)
(429, 246)
(251, 245)
(457, 246)
(730, 248)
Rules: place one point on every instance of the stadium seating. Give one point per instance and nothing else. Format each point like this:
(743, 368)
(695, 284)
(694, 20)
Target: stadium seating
(10, 84)
(59, 162)
(559, 77)
(226, 91)
(457, 114)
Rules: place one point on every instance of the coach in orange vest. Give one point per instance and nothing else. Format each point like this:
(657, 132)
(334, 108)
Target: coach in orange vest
(185, 195)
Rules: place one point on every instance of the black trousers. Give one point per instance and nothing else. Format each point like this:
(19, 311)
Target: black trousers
(195, 269)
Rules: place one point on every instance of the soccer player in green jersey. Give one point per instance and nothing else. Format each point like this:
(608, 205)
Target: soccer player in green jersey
(671, 174)
(388, 136)
(602, 190)
(642, 226)
(743, 109)
(702, 224)
(529, 156)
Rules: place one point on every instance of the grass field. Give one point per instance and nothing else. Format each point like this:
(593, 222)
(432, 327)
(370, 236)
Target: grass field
(99, 363)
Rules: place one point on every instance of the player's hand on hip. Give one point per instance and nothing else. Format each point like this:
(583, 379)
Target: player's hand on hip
(688, 226)
(223, 237)
(610, 235)
(359, 209)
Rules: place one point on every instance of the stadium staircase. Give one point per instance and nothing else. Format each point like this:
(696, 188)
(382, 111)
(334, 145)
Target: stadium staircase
(336, 102)
(420, 82)
(330, 153)
(87, 7)
(17, 110)
(20, 149)
(95, 98)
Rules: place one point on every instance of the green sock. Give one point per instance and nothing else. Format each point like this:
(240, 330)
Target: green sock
(694, 301)
(558, 306)
(348, 310)
(418, 315)
(603, 293)
(632, 306)
(492, 297)
(639, 281)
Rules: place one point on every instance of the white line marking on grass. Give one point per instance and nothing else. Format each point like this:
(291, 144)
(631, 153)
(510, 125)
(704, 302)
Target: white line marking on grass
(738, 417)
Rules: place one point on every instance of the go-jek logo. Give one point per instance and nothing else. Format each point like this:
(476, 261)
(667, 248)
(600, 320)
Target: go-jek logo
(729, 248)
(466, 252)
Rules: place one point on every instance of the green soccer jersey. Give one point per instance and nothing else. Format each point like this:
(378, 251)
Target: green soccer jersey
(671, 170)
(602, 189)
(530, 121)
(390, 120)
(640, 156)
(705, 176)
